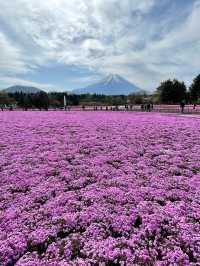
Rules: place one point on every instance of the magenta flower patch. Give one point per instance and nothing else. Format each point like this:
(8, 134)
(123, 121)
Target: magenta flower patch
(107, 188)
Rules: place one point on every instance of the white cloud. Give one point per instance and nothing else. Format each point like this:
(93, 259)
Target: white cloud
(84, 80)
(9, 81)
(11, 59)
(102, 35)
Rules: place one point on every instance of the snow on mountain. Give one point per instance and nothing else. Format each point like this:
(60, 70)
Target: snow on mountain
(111, 85)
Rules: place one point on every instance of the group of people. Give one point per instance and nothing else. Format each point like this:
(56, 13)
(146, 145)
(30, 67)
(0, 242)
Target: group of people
(96, 108)
(147, 107)
(144, 107)
(2, 108)
(182, 106)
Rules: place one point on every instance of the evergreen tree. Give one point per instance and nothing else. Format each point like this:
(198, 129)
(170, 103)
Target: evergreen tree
(171, 91)
(195, 89)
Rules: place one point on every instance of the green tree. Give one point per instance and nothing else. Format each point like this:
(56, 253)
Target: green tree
(5, 100)
(41, 100)
(136, 98)
(172, 91)
(27, 101)
(195, 89)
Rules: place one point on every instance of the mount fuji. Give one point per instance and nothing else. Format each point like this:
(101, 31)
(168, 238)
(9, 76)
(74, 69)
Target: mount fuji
(111, 85)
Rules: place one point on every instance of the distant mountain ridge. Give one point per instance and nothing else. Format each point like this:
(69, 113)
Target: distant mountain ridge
(24, 89)
(111, 85)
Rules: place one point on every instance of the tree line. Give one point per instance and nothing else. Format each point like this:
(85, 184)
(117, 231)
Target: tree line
(45, 101)
(168, 92)
(174, 91)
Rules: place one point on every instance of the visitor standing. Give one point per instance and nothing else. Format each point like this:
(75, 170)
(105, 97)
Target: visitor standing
(182, 105)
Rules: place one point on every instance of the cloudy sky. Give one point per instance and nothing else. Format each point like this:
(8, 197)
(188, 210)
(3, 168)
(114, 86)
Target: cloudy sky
(66, 44)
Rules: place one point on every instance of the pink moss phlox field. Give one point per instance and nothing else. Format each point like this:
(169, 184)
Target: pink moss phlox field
(99, 188)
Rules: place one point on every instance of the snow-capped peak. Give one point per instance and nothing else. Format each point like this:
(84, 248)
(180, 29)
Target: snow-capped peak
(113, 84)
(113, 77)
